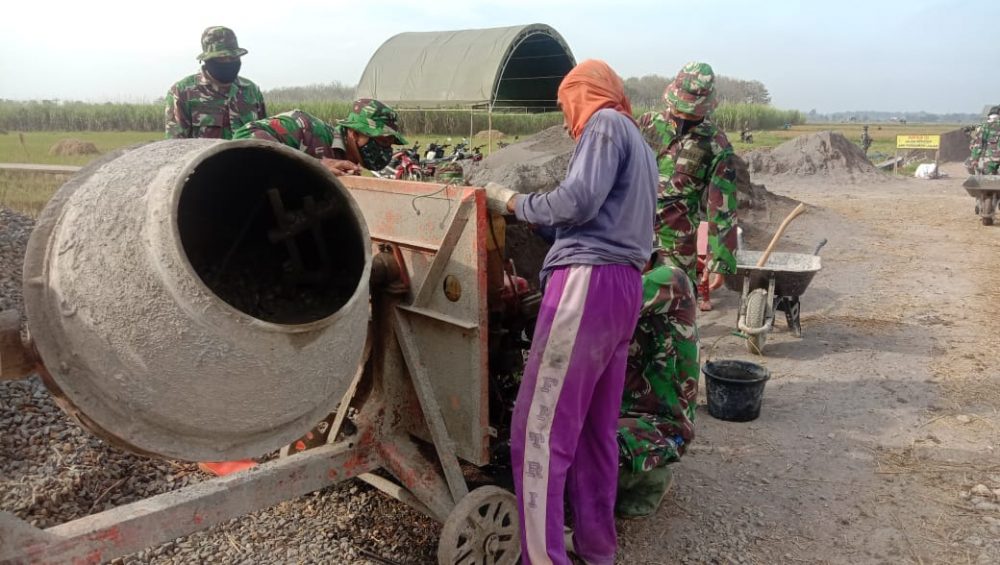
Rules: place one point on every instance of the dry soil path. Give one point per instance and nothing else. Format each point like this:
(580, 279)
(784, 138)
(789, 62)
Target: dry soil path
(879, 436)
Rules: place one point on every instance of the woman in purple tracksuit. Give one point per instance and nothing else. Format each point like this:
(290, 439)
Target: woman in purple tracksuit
(566, 415)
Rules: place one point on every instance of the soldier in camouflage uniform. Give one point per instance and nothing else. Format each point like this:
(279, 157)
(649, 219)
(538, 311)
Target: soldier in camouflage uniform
(984, 146)
(216, 100)
(365, 137)
(866, 140)
(697, 175)
(656, 422)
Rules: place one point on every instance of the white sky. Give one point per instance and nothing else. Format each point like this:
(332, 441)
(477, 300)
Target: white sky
(933, 55)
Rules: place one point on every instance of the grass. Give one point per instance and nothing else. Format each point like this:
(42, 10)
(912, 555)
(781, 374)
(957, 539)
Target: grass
(883, 136)
(28, 192)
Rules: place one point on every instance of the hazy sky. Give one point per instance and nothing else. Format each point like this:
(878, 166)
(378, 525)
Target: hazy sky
(938, 56)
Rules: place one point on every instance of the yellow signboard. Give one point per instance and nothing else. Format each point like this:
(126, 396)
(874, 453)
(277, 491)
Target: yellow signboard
(918, 141)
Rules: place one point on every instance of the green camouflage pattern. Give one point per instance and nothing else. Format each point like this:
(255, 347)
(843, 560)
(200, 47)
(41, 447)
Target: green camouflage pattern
(195, 107)
(218, 41)
(984, 148)
(866, 140)
(697, 182)
(692, 91)
(374, 119)
(656, 423)
(298, 130)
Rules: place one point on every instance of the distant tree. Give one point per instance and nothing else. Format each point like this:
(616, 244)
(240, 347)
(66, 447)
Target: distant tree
(335, 90)
(646, 91)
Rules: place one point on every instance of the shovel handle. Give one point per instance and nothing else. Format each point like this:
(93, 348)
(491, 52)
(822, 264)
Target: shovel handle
(777, 235)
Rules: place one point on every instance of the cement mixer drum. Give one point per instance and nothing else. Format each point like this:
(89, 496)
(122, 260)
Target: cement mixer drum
(200, 299)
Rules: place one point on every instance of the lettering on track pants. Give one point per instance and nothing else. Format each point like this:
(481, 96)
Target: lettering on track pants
(566, 415)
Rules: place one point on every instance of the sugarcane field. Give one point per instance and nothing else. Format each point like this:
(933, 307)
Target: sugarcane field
(453, 287)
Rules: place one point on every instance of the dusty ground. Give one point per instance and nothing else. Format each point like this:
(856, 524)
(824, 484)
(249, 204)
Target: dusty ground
(879, 422)
(877, 441)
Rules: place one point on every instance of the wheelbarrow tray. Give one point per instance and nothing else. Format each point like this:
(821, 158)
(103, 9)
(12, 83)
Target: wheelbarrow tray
(792, 272)
(982, 185)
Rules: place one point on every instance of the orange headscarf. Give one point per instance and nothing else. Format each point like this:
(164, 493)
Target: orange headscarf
(591, 86)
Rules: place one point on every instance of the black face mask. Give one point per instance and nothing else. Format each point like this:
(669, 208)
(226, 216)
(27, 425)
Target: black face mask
(373, 156)
(224, 72)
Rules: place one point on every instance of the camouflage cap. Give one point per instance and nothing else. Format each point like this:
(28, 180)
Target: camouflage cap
(693, 90)
(373, 119)
(218, 41)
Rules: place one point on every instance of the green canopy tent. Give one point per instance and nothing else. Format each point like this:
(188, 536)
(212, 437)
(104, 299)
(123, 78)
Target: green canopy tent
(515, 68)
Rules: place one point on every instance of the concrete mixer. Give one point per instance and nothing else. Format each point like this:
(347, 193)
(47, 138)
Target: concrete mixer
(211, 300)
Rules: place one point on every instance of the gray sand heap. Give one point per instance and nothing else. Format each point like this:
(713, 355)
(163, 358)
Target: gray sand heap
(540, 163)
(823, 153)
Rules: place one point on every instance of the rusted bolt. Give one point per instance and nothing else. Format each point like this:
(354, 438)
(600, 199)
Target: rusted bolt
(452, 288)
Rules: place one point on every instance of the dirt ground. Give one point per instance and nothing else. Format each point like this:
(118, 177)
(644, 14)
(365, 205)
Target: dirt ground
(880, 426)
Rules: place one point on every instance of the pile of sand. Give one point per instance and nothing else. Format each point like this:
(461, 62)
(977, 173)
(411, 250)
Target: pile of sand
(539, 164)
(823, 153)
(73, 147)
(497, 134)
(535, 164)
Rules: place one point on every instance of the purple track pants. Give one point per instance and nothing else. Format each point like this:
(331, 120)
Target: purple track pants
(566, 415)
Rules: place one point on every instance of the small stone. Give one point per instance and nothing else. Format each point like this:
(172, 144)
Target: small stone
(963, 419)
(981, 490)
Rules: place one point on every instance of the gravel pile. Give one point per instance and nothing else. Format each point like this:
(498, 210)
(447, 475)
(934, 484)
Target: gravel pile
(14, 232)
(53, 471)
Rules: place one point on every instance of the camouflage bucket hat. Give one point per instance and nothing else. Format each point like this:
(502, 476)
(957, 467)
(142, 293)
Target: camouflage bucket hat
(373, 119)
(693, 90)
(218, 41)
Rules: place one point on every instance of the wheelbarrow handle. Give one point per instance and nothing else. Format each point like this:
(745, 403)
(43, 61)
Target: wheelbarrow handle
(820, 246)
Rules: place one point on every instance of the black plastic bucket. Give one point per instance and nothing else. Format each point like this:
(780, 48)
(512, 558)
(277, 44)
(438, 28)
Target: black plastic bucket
(735, 389)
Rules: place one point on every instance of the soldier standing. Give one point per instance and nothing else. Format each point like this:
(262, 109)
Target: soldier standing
(697, 175)
(697, 179)
(866, 140)
(216, 100)
(984, 145)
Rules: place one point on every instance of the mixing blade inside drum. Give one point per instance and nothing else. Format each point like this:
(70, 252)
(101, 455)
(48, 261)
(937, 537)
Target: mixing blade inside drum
(271, 239)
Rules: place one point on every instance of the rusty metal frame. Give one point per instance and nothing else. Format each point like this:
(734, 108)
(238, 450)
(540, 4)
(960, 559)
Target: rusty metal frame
(405, 424)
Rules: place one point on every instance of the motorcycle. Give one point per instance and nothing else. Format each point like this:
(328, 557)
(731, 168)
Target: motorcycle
(404, 165)
(435, 151)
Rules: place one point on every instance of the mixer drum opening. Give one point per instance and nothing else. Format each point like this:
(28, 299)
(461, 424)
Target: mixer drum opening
(270, 237)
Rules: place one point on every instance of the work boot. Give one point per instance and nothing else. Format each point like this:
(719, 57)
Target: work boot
(640, 494)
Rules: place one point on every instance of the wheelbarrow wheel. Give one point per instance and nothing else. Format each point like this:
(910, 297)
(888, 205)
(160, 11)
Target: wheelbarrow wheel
(481, 529)
(756, 311)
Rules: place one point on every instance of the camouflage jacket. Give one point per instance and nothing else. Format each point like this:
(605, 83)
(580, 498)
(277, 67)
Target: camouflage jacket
(697, 181)
(298, 130)
(984, 144)
(195, 108)
(656, 422)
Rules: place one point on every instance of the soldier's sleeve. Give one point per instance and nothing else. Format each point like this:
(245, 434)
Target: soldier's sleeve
(177, 121)
(722, 205)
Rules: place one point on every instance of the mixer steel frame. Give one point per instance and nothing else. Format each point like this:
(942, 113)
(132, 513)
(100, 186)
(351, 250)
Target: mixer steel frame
(420, 396)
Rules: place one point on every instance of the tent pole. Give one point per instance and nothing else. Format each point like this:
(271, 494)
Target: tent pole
(489, 128)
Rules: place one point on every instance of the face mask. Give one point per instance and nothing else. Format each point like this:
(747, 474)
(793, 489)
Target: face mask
(224, 72)
(373, 156)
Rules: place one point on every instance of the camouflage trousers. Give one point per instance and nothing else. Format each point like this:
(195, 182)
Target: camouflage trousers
(656, 422)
